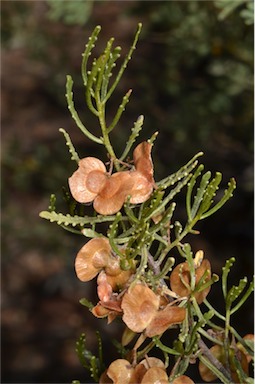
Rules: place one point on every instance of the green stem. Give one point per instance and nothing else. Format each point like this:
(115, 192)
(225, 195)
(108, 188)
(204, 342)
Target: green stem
(186, 230)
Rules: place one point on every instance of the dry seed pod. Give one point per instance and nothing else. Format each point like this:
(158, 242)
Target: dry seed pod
(155, 375)
(120, 371)
(142, 188)
(119, 280)
(183, 379)
(92, 257)
(142, 177)
(164, 319)
(150, 362)
(142, 160)
(113, 195)
(88, 180)
(104, 379)
(177, 285)
(139, 306)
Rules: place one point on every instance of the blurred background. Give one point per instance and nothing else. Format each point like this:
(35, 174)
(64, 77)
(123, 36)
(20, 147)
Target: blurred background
(192, 79)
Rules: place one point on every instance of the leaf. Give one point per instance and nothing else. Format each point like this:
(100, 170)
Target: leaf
(67, 219)
(124, 65)
(86, 303)
(69, 143)
(235, 291)
(89, 46)
(228, 193)
(74, 114)
(225, 272)
(200, 194)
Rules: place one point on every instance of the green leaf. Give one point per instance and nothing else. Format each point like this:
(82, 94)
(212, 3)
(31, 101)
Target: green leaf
(134, 134)
(228, 193)
(75, 220)
(235, 291)
(74, 114)
(120, 110)
(124, 65)
(191, 185)
(86, 303)
(180, 174)
(244, 297)
(81, 351)
(111, 63)
(70, 145)
(210, 193)
(89, 46)
(52, 205)
(200, 194)
(225, 272)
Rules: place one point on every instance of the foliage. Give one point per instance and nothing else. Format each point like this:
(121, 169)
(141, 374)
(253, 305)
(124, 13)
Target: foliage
(229, 6)
(133, 254)
(71, 12)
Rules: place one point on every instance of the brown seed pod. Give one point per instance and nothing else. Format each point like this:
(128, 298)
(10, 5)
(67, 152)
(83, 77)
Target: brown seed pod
(142, 188)
(177, 285)
(155, 375)
(164, 319)
(139, 305)
(92, 257)
(142, 160)
(120, 371)
(142, 177)
(113, 195)
(86, 182)
(183, 379)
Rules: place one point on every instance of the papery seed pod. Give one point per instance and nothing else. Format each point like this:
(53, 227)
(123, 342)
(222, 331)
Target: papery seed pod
(120, 371)
(142, 188)
(164, 319)
(112, 197)
(139, 305)
(150, 362)
(144, 366)
(104, 289)
(101, 311)
(118, 281)
(105, 379)
(183, 379)
(138, 374)
(183, 268)
(155, 375)
(142, 176)
(113, 267)
(142, 160)
(86, 182)
(91, 258)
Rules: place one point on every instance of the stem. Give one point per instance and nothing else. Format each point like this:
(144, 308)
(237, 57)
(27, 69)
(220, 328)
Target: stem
(106, 140)
(186, 230)
(213, 364)
(211, 338)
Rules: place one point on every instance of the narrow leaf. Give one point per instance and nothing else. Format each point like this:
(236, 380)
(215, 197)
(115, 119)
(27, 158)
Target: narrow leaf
(70, 145)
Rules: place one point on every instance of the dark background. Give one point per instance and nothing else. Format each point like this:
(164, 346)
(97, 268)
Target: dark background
(191, 77)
